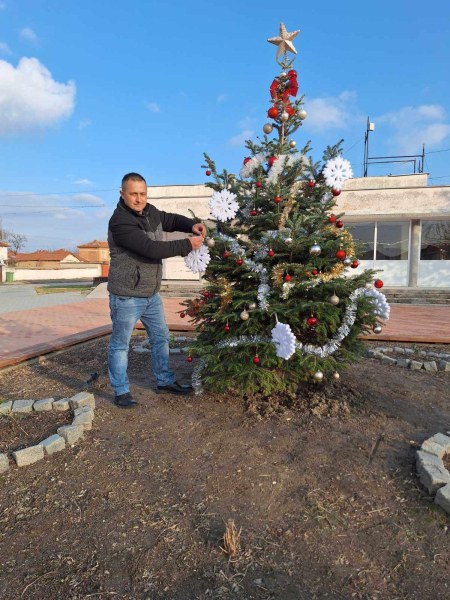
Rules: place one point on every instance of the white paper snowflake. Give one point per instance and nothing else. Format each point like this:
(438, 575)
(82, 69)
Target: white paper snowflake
(197, 260)
(379, 303)
(223, 205)
(336, 171)
(284, 340)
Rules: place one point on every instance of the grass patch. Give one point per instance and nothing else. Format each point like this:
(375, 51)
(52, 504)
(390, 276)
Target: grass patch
(62, 289)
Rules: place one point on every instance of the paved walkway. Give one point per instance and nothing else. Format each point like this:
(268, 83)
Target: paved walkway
(29, 333)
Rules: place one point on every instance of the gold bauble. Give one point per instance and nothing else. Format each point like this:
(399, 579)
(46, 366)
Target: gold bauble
(302, 114)
(268, 128)
(284, 116)
(210, 242)
(292, 144)
(244, 315)
(334, 299)
(318, 376)
(336, 376)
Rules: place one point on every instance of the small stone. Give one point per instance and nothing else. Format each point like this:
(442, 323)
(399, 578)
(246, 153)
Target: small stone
(408, 350)
(41, 405)
(387, 360)
(403, 363)
(82, 399)
(181, 338)
(432, 477)
(175, 351)
(422, 353)
(257, 581)
(438, 444)
(443, 497)
(430, 365)
(429, 459)
(71, 433)
(5, 407)
(399, 350)
(62, 404)
(415, 365)
(4, 463)
(444, 365)
(53, 444)
(84, 409)
(22, 406)
(28, 456)
(84, 420)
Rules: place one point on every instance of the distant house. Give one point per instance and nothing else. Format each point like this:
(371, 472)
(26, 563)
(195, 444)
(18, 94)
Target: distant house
(95, 251)
(3, 252)
(45, 259)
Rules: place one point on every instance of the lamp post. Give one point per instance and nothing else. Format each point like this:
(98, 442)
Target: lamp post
(370, 127)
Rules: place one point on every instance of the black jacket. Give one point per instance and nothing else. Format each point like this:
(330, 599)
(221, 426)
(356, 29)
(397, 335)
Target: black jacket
(136, 248)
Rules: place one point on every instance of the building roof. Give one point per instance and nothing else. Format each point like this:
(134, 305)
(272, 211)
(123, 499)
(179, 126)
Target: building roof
(94, 244)
(47, 255)
(4, 245)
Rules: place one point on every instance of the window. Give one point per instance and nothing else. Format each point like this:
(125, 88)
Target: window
(365, 234)
(392, 240)
(435, 243)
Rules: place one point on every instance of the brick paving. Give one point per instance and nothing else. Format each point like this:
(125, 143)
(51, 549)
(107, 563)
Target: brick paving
(30, 333)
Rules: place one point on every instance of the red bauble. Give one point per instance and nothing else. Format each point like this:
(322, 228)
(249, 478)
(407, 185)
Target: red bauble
(311, 183)
(287, 277)
(340, 254)
(189, 358)
(205, 294)
(292, 73)
(182, 315)
(277, 199)
(332, 218)
(208, 172)
(253, 212)
(226, 254)
(239, 261)
(226, 327)
(339, 224)
(378, 283)
(271, 252)
(335, 192)
(354, 264)
(271, 160)
(272, 112)
(311, 321)
(258, 184)
(315, 272)
(256, 360)
(247, 159)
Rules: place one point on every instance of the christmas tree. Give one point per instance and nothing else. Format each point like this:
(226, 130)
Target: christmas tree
(281, 304)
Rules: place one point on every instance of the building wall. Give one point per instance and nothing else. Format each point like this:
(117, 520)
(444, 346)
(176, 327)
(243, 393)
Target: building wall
(94, 254)
(40, 274)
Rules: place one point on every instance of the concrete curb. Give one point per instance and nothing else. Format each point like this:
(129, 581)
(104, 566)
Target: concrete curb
(83, 406)
(409, 358)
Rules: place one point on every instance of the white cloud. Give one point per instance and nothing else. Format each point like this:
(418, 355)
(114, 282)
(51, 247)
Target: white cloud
(26, 33)
(5, 49)
(30, 98)
(240, 138)
(331, 112)
(153, 107)
(83, 182)
(84, 123)
(221, 98)
(412, 126)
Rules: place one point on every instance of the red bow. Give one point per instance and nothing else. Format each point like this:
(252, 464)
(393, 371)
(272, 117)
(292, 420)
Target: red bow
(291, 89)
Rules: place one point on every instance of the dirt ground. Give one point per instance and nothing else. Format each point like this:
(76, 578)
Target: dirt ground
(324, 492)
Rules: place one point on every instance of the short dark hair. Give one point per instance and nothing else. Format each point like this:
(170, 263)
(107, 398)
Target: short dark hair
(132, 177)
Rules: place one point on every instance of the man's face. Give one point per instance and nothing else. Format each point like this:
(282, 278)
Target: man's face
(135, 195)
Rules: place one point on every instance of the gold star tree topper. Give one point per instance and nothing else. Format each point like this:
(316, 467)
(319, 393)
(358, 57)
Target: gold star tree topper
(284, 41)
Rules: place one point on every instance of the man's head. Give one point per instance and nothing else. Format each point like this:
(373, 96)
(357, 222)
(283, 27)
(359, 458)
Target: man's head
(134, 192)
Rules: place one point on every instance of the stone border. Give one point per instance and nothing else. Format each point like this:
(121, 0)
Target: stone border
(82, 404)
(412, 359)
(431, 469)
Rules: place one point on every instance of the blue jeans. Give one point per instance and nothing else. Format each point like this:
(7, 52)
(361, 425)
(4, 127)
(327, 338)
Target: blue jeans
(125, 312)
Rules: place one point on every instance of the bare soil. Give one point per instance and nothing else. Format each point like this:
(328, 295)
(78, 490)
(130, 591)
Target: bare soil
(323, 490)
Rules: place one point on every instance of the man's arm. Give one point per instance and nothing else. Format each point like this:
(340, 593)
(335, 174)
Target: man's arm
(174, 222)
(128, 236)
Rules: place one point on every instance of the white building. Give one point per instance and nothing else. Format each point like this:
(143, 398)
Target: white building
(404, 223)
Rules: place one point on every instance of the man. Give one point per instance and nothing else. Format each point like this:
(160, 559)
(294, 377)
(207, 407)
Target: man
(135, 243)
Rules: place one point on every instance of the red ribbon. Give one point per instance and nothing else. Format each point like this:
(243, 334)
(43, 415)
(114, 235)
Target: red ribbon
(291, 89)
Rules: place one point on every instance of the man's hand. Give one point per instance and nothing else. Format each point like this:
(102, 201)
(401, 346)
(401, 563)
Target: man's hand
(196, 241)
(199, 229)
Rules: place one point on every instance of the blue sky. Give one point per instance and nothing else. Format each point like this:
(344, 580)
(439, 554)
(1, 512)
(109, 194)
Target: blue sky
(90, 90)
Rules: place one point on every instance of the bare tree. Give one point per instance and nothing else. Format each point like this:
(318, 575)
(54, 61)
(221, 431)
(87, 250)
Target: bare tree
(15, 240)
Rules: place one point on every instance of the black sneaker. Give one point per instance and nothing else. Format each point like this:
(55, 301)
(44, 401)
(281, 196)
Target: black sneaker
(174, 388)
(125, 400)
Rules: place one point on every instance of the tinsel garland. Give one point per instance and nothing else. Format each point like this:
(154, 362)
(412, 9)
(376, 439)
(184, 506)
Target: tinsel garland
(283, 161)
(251, 165)
(322, 351)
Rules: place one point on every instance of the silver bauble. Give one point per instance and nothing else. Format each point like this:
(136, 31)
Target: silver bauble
(282, 75)
(244, 315)
(315, 249)
(288, 240)
(377, 328)
(284, 116)
(334, 299)
(336, 375)
(302, 114)
(318, 376)
(268, 128)
(210, 242)
(347, 261)
(292, 144)
(252, 305)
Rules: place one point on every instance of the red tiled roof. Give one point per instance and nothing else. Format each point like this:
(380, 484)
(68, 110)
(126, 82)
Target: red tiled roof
(94, 244)
(48, 255)
(4, 245)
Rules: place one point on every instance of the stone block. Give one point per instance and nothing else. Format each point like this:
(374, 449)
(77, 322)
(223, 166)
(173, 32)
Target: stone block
(430, 365)
(444, 365)
(432, 477)
(175, 351)
(71, 433)
(84, 420)
(429, 459)
(4, 463)
(53, 444)
(62, 404)
(28, 456)
(403, 363)
(415, 365)
(41, 405)
(438, 444)
(408, 351)
(399, 350)
(387, 360)
(422, 353)
(5, 407)
(22, 406)
(180, 338)
(84, 409)
(82, 399)
(443, 497)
